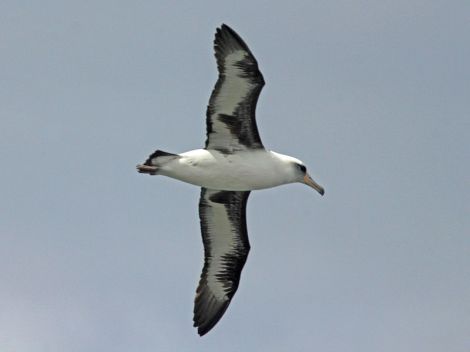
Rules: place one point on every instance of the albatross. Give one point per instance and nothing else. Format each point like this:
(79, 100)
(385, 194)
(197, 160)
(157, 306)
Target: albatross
(233, 163)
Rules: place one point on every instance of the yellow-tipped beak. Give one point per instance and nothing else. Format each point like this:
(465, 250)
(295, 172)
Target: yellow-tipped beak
(309, 181)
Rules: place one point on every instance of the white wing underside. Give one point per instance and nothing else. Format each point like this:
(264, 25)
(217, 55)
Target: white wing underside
(231, 123)
(226, 247)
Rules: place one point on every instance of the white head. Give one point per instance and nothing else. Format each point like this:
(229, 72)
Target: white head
(298, 172)
(303, 177)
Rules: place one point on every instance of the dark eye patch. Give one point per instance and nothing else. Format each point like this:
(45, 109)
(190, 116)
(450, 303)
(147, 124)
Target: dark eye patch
(302, 168)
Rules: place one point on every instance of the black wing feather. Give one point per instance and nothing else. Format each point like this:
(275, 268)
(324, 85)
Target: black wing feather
(231, 121)
(226, 246)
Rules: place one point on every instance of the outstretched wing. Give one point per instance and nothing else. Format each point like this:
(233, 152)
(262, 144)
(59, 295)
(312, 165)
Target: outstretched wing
(226, 247)
(231, 123)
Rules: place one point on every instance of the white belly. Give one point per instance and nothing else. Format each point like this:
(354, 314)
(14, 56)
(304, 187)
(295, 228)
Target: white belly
(232, 172)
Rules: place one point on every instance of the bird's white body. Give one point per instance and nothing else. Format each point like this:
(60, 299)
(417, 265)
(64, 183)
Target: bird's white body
(240, 171)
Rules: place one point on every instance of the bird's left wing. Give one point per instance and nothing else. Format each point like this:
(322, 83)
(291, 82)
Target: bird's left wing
(231, 123)
(226, 247)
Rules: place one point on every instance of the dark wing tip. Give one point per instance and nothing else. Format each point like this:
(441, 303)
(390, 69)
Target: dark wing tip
(205, 325)
(207, 310)
(228, 30)
(227, 40)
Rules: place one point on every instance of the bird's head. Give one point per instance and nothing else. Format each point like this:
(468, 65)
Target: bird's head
(303, 177)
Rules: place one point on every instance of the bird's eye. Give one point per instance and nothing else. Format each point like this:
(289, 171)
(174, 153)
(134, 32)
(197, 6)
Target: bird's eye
(302, 168)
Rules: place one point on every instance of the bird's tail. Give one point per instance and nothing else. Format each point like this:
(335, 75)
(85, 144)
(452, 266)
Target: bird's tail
(154, 160)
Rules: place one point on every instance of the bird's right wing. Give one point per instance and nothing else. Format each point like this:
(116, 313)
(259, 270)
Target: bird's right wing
(231, 122)
(226, 247)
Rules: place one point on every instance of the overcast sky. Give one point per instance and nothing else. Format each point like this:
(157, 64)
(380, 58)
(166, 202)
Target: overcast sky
(372, 95)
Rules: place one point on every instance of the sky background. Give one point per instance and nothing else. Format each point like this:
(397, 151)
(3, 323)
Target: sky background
(372, 95)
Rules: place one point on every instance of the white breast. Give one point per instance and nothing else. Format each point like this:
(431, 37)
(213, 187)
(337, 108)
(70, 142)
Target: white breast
(242, 171)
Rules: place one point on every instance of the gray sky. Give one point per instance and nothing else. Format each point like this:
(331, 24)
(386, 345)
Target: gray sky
(371, 95)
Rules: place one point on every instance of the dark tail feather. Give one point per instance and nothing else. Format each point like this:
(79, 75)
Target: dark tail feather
(156, 154)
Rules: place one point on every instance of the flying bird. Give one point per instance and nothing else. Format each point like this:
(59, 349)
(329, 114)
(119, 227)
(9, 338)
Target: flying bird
(233, 163)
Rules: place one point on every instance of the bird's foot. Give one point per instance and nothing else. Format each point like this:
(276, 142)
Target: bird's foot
(147, 169)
